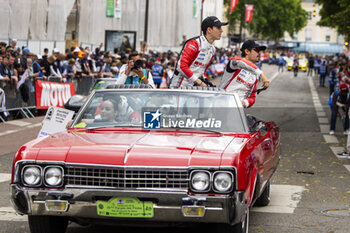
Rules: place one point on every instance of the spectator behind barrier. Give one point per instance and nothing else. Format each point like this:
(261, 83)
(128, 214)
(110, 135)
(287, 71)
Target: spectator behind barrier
(51, 70)
(69, 71)
(157, 73)
(133, 72)
(5, 72)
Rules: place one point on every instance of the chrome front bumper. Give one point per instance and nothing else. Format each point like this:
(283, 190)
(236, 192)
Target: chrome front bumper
(167, 205)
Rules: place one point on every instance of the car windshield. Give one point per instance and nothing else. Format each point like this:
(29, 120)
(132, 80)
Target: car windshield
(157, 110)
(102, 84)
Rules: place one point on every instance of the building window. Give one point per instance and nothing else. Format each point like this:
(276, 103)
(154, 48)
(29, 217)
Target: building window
(328, 34)
(308, 34)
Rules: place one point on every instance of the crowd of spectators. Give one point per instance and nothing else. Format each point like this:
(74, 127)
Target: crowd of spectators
(77, 63)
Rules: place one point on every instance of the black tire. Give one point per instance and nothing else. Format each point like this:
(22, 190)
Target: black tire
(242, 227)
(47, 224)
(264, 198)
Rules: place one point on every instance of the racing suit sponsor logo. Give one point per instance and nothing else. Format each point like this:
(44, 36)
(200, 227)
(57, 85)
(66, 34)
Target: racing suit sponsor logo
(192, 47)
(240, 80)
(199, 64)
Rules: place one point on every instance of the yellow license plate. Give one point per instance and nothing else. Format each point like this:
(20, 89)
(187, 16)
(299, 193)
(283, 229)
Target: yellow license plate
(125, 207)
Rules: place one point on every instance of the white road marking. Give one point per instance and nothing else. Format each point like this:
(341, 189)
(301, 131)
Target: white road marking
(337, 149)
(321, 114)
(5, 177)
(330, 139)
(17, 123)
(319, 109)
(273, 77)
(20, 128)
(34, 125)
(324, 128)
(9, 214)
(283, 199)
(322, 120)
(347, 167)
(9, 131)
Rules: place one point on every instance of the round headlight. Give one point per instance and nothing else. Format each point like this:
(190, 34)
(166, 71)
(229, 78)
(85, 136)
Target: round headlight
(200, 181)
(31, 175)
(53, 176)
(222, 182)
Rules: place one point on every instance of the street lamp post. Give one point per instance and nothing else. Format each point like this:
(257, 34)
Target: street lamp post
(146, 22)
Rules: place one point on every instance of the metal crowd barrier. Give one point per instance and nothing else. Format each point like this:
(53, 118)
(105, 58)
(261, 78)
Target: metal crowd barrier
(15, 104)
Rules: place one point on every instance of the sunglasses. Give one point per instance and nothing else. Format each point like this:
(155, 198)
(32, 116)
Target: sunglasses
(257, 50)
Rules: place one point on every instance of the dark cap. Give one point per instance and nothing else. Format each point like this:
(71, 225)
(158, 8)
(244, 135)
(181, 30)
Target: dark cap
(210, 22)
(250, 44)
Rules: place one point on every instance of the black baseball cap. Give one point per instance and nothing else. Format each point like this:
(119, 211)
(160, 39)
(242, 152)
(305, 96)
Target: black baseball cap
(250, 44)
(210, 22)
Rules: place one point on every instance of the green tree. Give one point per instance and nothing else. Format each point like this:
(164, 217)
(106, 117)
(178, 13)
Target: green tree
(336, 14)
(272, 18)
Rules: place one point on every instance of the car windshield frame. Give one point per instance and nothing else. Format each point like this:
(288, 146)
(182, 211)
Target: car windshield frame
(236, 98)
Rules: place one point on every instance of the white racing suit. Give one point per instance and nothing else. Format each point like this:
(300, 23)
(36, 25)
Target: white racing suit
(195, 58)
(241, 77)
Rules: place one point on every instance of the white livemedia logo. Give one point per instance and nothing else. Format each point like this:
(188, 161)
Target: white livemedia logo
(191, 123)
(54, 94)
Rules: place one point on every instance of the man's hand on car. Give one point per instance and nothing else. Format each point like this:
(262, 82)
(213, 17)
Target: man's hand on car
(200, 83)
(265, 81)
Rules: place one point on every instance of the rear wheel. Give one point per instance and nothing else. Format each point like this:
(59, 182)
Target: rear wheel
(241, 227)
(47, 224)
(264, 198)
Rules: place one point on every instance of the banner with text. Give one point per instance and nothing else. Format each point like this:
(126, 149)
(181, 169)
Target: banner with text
(249, 12)
(233, 5)
(110, 8)
(52, 94)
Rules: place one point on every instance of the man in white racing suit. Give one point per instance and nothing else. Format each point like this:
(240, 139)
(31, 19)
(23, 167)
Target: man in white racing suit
(196, 55)
(242, 75)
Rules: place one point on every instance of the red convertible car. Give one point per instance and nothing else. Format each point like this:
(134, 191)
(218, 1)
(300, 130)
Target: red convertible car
(146, 156)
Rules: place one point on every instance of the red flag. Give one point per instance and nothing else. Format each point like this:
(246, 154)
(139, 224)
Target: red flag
(249, 12)
(233, 5)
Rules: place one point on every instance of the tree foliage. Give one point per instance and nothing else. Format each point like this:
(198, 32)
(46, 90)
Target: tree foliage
(335, 14)
(271, 18)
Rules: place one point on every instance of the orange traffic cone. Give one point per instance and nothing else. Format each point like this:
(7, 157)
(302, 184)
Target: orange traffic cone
(163, 84)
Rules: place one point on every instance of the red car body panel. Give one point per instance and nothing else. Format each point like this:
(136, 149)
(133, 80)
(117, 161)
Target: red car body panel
(251, 154)
(133, 148)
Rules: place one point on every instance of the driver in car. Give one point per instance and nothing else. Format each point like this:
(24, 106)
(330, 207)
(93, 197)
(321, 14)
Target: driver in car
(112, 109)
(242, 75)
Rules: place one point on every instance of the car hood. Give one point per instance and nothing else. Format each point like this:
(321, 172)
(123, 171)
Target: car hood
(137, 148)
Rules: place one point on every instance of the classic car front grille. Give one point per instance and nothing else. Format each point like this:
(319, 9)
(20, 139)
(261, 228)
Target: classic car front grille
(127, 179)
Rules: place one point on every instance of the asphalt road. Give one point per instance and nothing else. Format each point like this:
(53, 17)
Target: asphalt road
(310, 190)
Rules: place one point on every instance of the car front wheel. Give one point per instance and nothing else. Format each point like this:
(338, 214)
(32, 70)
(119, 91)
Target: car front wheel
(241, 227)
(264, 198)
(47, 224)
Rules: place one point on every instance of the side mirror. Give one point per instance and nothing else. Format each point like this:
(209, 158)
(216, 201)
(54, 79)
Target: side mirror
(262, 128)
(75, 103)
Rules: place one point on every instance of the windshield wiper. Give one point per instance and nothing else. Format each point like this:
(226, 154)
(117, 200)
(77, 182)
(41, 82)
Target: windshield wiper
(114, 126)
(195, 129)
